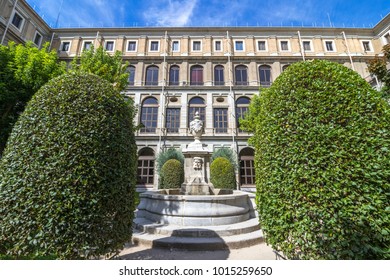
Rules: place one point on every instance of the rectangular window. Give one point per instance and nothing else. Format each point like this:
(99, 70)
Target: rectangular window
(366, 46)
(329, 46)
(173, 120)
(196, 45)
(387, 38)
(154, 46)
(306, 46)
(38, 39)
(239, 45)
(17, 21)
(132, 46)
(65, 46)
(109, 46)
(175, 46)
(87, 45)
(220, 120)
(284, 46)
(217, 46)
(261, 46)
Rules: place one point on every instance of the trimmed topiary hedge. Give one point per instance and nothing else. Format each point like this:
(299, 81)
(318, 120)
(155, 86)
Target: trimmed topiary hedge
(166, 155)
(226, 153)
(171, 174)
(222, 174)
(322, 143)
(67, 176)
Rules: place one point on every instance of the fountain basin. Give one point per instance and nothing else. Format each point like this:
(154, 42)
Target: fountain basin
(171, 207)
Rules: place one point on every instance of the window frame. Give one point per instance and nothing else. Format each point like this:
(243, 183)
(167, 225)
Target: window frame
(241, 83)
(370, 48)
(113, 45)
(62, 46)
(310, 45)
(333, 44)
(219, 82)
(265, 45)
(174, 82)
(281, 41)
(152, 82)
(235, 45)
(220, 126)
(131, 82)
(193, 45)
(144, 157)
(265, 83)
(135, 46)
(151, 43)
(196, 107)
(84, 44)
(220, 45)
(197, 82)
(144, 115)
(173, 119)
(178, 45)
(241, 110)
(21, 23)
(37, 33)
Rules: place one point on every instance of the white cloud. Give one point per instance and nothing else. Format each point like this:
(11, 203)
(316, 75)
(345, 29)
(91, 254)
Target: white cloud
(170, 13)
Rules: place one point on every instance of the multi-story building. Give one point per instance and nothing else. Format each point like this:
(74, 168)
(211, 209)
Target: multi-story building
(175, 72)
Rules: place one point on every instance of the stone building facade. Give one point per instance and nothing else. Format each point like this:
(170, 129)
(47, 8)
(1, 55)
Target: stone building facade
(175, 72)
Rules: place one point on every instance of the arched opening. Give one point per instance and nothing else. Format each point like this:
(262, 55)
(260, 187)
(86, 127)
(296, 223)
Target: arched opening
(247, 167)
(145, 171)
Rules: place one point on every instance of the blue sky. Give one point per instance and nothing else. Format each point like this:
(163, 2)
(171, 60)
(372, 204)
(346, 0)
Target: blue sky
(130, 13)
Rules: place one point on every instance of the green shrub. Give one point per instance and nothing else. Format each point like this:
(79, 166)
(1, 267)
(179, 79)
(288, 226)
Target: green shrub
(67, 177)
(225, 153)
(222, 174)
(164, 156)
(321, 135)
(171, 174)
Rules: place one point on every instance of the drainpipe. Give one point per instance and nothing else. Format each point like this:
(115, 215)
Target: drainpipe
(9, 21)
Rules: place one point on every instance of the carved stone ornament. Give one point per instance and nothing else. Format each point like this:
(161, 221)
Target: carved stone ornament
(196, 127)
(197, 163)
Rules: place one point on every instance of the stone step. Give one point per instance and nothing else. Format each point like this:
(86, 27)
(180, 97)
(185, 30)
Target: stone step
(199, 243)
(146, 226)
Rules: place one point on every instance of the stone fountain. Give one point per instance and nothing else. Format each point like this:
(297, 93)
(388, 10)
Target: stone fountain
(197, 216)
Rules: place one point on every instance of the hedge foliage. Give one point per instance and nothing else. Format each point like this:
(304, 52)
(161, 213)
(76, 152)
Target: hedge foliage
(67, 176)
(226, 153)
(321, 135)
(222, 174)
(171, 174)
(166, 155)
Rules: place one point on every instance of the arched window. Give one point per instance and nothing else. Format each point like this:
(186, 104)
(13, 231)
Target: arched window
(219, 79)
(131, 71)
(151, 76)
(174, 75)
(285, 67)
(241, 73)
(145, 171)
(149, 115)
(196, 104)
(265, 75)
(242, 107)
(196, 75)
(247, 169)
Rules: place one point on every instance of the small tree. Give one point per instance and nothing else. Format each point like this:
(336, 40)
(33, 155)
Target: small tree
(164, 156)
(379, 67)
(67, 177)
(321, 135)
(24, 69)
(171, 174)
(109, 67)
(225, 153)
(222, 174)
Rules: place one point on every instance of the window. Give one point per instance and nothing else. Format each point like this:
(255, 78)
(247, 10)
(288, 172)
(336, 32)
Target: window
(196, 45)
(306, 46)
(145, 170)
(239, 45)
(154, 46)
(241, 75)
(87, 45)
(218, 76)
(37, 39)
(329, 46)
(131, 71)
(196, 104)
(366, 46)
(284, 46)
(175, 46)
(174, 75)
(285, 67)
(132, 46)
(173, 120)
(242, 107)
(247, 167)
(220, 120)
(17, 21)
(196, 75)
(387, 38)
(217, 46)
(109, 46)
(151, 76)
(265, 75)
(149, 115)
(65, 46)
(261, 46)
